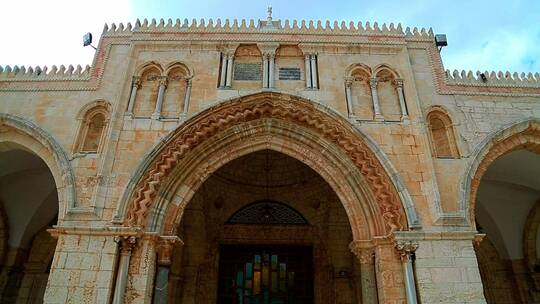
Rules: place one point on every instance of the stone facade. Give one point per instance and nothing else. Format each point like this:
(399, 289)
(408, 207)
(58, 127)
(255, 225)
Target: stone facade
(176, 126)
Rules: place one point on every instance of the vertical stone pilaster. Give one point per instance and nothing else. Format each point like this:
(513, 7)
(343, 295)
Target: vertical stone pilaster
(406, 250)
(228, 78)
(390, 285)
(265, 70)
(271, 61)
(375, 98)
(368, 280)
(187, 97)
(223, 76)
(165, 248)
(160, 96)
(126, 245)
(348, 95)
(314, 72)
(135, 85)
(308, 71)
(401, 96)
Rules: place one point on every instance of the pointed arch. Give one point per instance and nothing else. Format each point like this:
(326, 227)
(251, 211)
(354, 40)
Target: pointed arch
(24, 133)
(192, 152)
(524, 134)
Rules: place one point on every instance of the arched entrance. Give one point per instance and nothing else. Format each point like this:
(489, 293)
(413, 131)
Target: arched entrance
(275, 229)
(311, 135)
(29, 160)
(505, 193)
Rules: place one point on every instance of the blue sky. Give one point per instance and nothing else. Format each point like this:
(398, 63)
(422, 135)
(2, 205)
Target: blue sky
(482, 35)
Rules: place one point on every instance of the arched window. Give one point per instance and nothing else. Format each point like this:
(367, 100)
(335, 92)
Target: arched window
(267, 212)
(145, 101)
(442, 135)
(387, 93)
(248, 70)
(359, 91)
(173, 103)
(92, 129)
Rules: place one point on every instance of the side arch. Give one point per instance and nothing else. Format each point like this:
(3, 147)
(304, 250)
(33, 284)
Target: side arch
(524, 134)
(150, 178)
(23, 132)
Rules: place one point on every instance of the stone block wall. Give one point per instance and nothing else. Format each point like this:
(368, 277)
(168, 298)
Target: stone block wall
(447, 272)
(82, 269)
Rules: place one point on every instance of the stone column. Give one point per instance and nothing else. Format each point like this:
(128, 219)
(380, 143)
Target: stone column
(228, 81)
(366, 257)
(271, 61)
(265, 71)
(126, 247)
(348, 95)
(390, 286)
(308, 71)
(223, 77)
(314, 74)
(165, 248)
(187, 96)
(402, 105)
(406, 250)
(375, 99)
(135, 85)
(160, 96)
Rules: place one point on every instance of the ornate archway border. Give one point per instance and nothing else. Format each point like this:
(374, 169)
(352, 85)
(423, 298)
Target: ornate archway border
(45, 146)
(265, 105)
(521, 135)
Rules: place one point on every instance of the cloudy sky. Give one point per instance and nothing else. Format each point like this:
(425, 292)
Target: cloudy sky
(482, 35)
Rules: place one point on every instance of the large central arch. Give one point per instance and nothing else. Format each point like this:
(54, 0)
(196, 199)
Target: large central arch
(307, 131)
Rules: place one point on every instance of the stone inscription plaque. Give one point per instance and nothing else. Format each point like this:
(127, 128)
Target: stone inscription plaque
(289, 74)
(247, 71)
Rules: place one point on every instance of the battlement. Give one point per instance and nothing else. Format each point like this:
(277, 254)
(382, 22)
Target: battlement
(492, 78)
(44, 73)
(276, 26)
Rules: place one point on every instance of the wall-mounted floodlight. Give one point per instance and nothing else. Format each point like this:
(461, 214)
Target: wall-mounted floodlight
(440, 41)
(87, 40)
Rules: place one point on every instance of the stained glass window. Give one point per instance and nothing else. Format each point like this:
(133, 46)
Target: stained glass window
(267, 212)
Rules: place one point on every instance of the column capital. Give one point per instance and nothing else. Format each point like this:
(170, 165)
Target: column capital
(348, 81)
(399, 82)
(189, 81)
(373, 81)
(406, 248)
(127, 243)
(136, 81)
(363, 250)
(165, 246)
(163, 80)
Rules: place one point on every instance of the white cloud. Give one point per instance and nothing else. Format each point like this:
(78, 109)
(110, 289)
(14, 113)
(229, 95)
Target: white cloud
(38, 32)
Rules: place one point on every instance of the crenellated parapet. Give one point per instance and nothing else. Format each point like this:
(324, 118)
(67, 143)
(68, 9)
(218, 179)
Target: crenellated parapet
(253, 26)
(503, 79)
(44, 73)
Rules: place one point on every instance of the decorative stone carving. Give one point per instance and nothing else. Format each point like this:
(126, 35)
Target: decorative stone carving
(406, 249)
(267, 105)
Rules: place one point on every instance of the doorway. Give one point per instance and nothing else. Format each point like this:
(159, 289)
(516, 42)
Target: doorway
(265, 274)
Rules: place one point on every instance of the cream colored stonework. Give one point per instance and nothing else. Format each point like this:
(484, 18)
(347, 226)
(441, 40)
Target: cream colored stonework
(97, 191)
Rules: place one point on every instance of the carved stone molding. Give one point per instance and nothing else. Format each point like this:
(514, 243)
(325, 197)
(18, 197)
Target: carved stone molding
(406, 249)
(260, 106)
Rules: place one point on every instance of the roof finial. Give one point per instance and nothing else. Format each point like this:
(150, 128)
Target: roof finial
(269, 11)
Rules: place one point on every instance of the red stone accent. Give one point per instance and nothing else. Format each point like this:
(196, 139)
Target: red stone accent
(267, 105)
